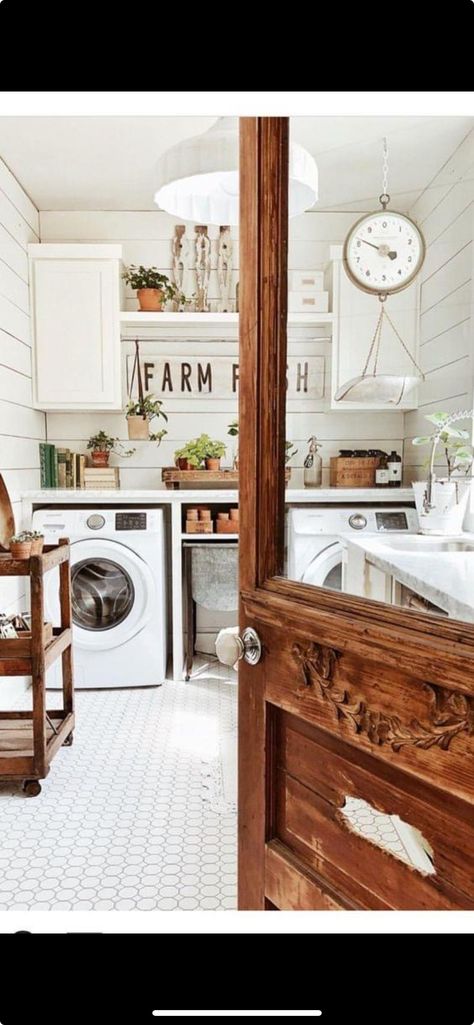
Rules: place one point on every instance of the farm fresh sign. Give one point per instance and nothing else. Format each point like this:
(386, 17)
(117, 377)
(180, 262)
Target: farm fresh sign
(217, 377)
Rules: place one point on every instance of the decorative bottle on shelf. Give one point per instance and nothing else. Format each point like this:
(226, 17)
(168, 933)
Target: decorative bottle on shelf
(382, 474)
(313, 465)
(394, 470)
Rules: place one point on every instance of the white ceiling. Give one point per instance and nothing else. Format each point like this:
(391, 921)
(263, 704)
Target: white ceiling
(107, 163)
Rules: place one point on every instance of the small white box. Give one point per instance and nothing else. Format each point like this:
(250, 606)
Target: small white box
(308, 302)
(307, 280)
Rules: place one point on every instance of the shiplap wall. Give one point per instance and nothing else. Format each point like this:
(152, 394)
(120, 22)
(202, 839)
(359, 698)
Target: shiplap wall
(445, 214)
(146, 238)
(21, 426)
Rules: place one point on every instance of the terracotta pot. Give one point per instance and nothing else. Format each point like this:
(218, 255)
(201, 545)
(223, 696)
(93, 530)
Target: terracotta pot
(184, 464)
(100, 458)
(150, 299)
(138, 428)
(213, 464)
(37, 546)
(20, 549)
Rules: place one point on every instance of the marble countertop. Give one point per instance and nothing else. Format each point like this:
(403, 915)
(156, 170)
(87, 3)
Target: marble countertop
(161, 496)
(444, 578)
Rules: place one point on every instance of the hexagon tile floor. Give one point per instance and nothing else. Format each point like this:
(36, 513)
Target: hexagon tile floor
(138, 813)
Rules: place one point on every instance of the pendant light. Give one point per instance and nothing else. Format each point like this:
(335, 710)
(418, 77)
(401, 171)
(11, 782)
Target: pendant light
(372, 387)
(198, 179)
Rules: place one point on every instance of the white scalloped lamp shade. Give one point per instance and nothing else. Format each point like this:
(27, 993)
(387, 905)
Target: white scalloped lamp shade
(377, 388)
(198, 179)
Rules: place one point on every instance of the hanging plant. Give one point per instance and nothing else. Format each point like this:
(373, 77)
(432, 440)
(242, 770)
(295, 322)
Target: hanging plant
(141, 411)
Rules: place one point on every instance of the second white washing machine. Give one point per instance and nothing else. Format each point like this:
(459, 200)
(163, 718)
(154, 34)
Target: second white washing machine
(117, 592)
(316, 548)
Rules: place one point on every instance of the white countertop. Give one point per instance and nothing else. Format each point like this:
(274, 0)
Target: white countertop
(444, 578)
(163, 496)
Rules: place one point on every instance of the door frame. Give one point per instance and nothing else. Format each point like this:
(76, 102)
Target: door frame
(441, 651)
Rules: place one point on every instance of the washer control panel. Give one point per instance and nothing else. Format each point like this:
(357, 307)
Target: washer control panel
(130, 521)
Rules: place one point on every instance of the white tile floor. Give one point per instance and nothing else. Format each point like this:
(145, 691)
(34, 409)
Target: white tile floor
(138, 813)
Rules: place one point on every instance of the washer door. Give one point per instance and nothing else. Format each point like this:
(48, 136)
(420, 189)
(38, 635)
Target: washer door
(113, 593)
(325, 569)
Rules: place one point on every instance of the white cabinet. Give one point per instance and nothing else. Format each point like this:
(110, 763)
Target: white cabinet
(355, 315)
(75, 293)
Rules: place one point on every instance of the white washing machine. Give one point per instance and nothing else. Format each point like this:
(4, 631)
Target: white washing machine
(117, 592)
(315, 546)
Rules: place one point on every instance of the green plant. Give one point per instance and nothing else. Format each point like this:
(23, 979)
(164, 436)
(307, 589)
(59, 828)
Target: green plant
(150, 277)
(233, 428)
(33, 535)
(102, 442)
(22, 535)
(199, 449)
(148, 407)
(458, 453)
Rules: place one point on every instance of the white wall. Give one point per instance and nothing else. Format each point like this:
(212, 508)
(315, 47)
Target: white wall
(445, 214)
(146, 238)
(21, 426)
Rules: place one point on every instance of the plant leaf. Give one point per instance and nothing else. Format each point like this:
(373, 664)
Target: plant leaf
(437, 418)
(421, 441)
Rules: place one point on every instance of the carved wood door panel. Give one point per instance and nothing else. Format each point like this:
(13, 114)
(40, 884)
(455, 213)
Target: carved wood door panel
(356, 728)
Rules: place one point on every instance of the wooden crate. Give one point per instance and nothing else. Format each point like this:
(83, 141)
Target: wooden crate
(173, 477)
(353, 473)
(199, 527)
(227, 526)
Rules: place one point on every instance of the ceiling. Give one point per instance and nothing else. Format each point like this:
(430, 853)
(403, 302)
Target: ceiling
(108, 163)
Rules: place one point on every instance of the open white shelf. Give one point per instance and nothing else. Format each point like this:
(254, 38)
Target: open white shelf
(135, 317)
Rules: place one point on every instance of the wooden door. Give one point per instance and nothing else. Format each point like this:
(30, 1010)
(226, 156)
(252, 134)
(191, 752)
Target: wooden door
(351, 699)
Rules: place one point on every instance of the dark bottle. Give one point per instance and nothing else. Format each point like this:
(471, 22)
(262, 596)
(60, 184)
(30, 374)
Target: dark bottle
(382, 476)
(394, 470)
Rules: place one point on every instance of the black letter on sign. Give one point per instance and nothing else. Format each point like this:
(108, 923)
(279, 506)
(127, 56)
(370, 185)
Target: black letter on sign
(148, 374)
(185, 375)
(235, 376)
(205, 378)
(302, 376)
(167, 382)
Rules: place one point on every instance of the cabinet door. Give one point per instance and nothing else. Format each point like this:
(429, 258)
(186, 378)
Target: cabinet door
(355, 319)
(76, 333)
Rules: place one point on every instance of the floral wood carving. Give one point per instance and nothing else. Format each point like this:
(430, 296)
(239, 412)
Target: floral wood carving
(451, 713)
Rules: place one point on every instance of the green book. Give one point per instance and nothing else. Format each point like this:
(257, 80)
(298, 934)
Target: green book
(44, 465)
(52, 466)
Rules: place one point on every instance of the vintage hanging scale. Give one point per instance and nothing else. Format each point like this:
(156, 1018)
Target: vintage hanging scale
(383, 253)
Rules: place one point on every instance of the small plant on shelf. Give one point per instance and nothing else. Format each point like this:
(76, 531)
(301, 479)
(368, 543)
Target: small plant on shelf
(37, 540)
(198, 451)
(153, 288)
(140, 413)
(233, 430)
(290, 451)
(20, 545)
(102, 444)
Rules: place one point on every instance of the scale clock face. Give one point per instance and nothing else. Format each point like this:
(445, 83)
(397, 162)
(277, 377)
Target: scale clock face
(383, 252)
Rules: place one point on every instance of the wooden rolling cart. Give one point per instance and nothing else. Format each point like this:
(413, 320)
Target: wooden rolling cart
(29, 740)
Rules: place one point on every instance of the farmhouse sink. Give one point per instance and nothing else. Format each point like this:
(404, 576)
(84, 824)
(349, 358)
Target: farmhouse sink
(419, 543)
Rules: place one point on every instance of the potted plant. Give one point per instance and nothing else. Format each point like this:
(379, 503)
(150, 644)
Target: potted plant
(441, 502)
(20, 545)
(190, 456)
(213, 451)
(102, 444)
(140, 412)
(37, 541)
(153, 289)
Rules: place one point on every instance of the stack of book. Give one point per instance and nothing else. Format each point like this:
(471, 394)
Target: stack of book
(61, 468)
(101, 477)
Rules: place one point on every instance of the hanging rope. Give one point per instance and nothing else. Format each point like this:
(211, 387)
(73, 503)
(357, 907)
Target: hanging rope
(136, 369)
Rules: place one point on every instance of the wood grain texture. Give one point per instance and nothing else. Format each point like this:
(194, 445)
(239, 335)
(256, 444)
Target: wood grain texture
(351, 698)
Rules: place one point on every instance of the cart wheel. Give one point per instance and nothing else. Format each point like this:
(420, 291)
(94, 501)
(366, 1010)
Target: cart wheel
(69, 740)
(32, 787)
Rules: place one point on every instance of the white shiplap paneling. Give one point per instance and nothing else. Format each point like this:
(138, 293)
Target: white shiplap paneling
(21, 426)
(445, 212)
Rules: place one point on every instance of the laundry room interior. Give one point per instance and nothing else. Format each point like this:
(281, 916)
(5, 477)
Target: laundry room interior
(122, 292)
